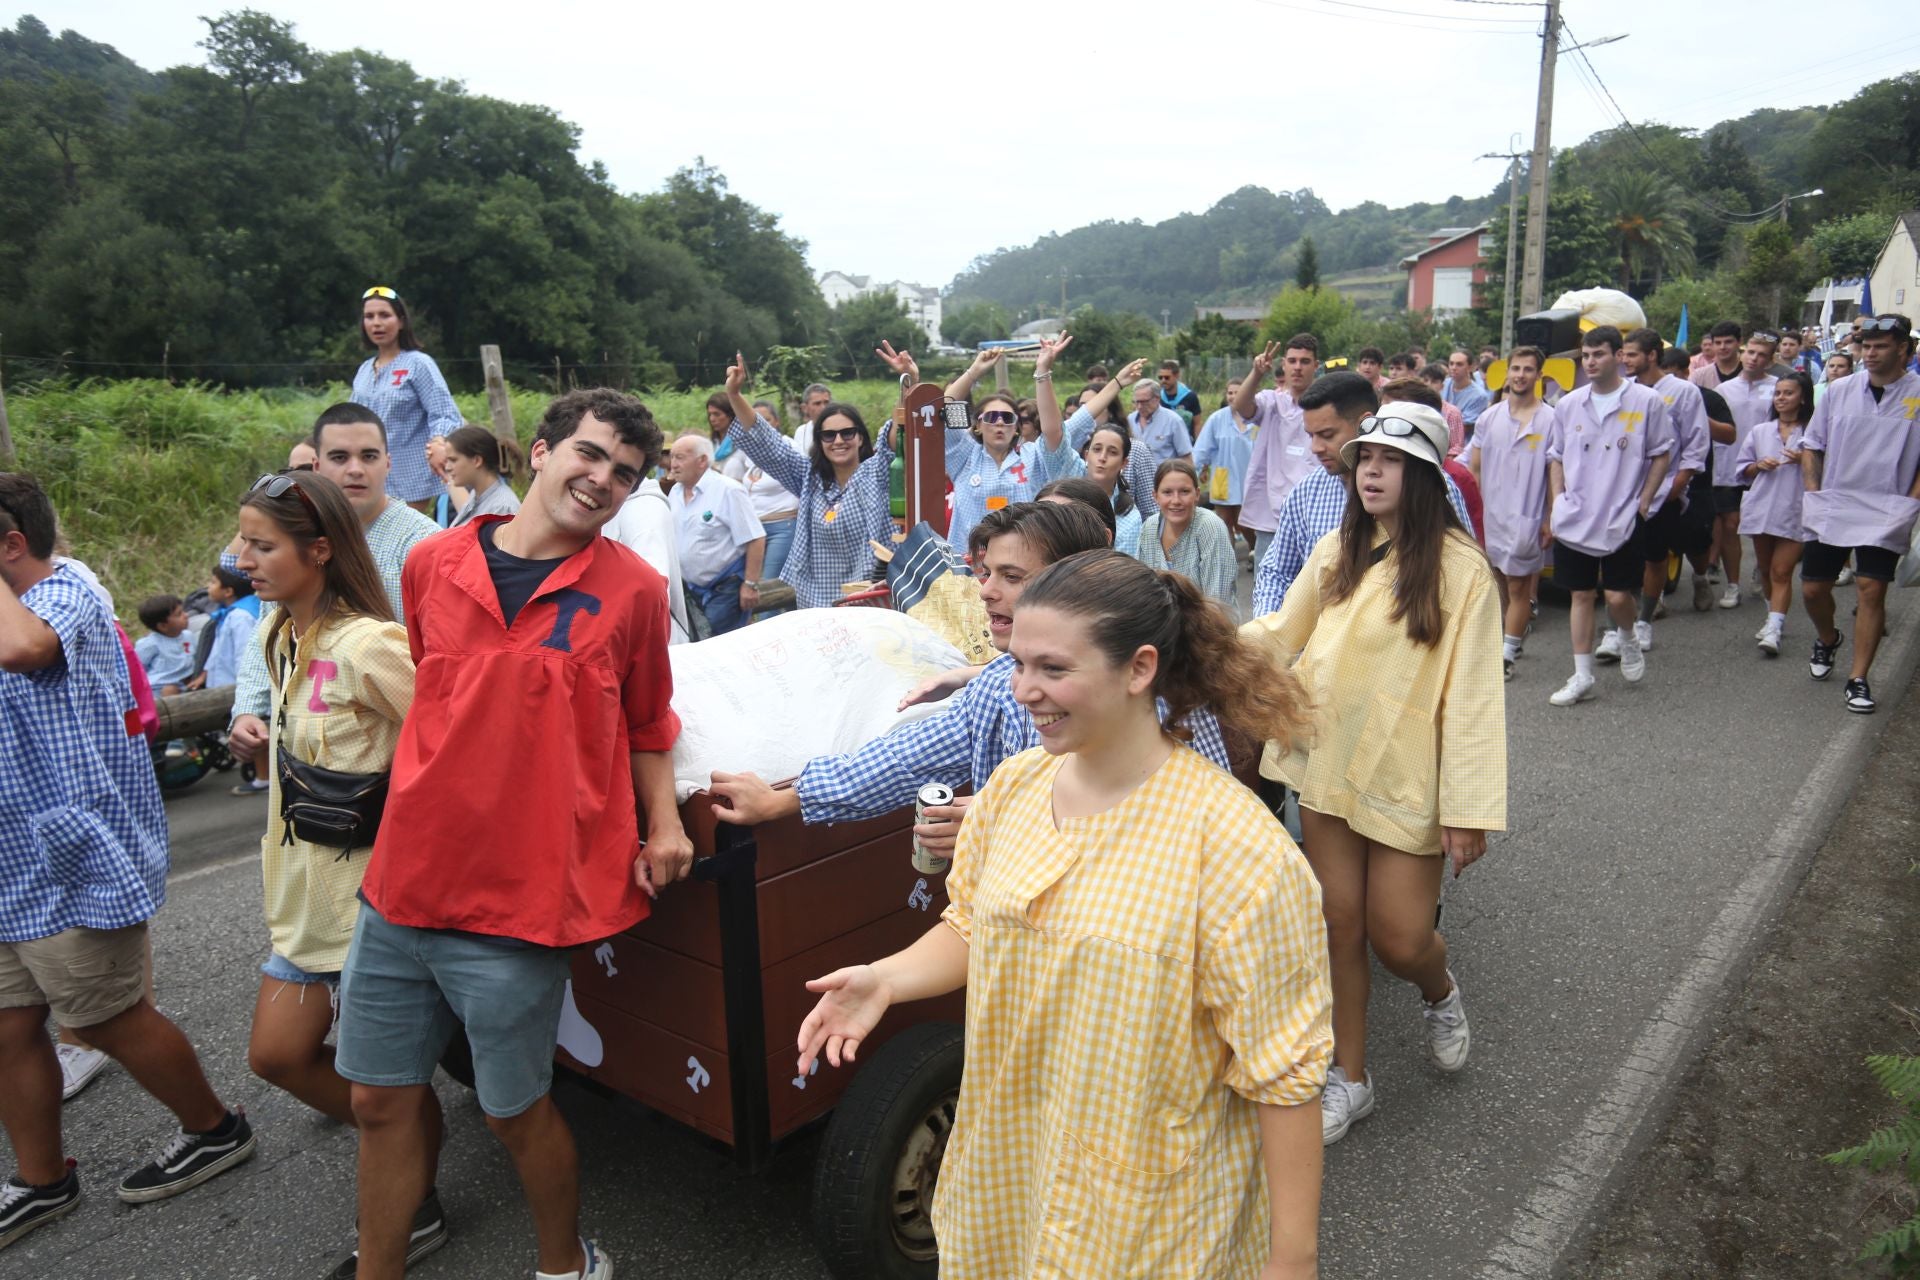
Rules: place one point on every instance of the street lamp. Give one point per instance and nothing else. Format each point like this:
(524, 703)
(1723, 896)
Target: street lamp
(1804, 195)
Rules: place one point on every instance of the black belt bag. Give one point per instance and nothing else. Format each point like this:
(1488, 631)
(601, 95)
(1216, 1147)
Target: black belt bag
(326, 807)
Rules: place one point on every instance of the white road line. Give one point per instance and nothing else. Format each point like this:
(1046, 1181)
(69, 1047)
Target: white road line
(228, 865)
(1576, 1186)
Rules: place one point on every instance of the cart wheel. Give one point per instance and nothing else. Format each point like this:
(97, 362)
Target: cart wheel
(457, 1060)
(873, 1180)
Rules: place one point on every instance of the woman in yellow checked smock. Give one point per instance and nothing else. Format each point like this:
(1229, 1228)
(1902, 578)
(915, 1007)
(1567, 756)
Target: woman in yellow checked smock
(1395, 622)
(342, 679)
(1144, 957)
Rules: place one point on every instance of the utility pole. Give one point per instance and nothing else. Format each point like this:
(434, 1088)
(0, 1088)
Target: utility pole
(1512, 158)
(1534, 278)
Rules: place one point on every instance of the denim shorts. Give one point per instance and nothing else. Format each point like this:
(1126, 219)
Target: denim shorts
(278, 966)
(405, 990)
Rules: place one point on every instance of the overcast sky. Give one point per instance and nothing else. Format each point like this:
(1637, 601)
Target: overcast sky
(846, 119)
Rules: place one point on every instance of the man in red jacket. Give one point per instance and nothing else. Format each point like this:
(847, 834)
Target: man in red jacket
(539, 740)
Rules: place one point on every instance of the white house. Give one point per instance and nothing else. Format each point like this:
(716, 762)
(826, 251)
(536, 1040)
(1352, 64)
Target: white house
(1896, 272)
(921, 302)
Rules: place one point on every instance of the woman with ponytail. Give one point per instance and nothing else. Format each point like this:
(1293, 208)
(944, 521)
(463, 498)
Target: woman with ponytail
(1144, 955)
(1394, 626)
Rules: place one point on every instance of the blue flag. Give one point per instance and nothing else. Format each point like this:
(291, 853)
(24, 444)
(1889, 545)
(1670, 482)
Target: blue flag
(1866, 296)
(1680, 338)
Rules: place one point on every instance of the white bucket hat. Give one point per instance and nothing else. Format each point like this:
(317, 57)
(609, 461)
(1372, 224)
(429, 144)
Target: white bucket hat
(1414, 429)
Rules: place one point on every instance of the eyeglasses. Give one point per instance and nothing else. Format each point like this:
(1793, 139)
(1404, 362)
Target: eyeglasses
(999, 418)
(1397, 427)
(829, 435)
(276, 486)
(380, 291)
(1884, 324)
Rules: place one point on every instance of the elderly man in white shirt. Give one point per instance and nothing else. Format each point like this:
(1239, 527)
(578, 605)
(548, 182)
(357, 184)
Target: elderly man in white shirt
(723, 545)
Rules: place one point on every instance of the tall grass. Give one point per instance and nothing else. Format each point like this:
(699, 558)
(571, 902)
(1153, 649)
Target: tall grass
(146, 475)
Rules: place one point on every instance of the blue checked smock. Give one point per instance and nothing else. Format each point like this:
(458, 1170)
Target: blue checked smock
(1310, 513)
(1226, 446)
(983, 725)
(412, 399)
(980, 484)
(83, 837)
(835, 524)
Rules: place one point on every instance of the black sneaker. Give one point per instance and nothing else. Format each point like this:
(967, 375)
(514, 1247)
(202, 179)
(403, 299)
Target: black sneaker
(190, 1159)
(429, 1233)
(1820, 665)
(1506, 668)
(23, 1207)
(1859, 697)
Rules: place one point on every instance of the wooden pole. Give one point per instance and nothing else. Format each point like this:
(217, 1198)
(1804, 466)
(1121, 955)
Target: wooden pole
(1533, 269)
(7, 457)
(500, 410)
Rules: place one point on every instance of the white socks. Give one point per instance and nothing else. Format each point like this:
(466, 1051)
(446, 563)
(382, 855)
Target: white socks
(1583, 665)
(1510, 647)
(1776, 622)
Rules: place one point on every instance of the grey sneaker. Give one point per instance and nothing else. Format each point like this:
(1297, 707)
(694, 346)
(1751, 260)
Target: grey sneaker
(429, 1233)
(1448, 1039)
(1702, 593)
(1342, 1102)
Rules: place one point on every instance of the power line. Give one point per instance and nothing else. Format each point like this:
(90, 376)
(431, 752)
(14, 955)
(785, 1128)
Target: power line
(1442, 17)
(1295, 6)
(1824, 71)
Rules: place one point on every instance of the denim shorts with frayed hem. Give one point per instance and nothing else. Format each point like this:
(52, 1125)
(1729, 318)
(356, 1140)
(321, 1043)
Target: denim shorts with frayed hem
(405, 990)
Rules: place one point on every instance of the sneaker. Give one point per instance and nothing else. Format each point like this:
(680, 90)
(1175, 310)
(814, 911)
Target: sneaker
(1859, 697)
(1770, 642)
(1643, 636)
(1820, 664)
(1845, 578)
(1578, 688)
(1608, 649)
(78, 1067)
(259, 786)
(429, 1233)
(22, 1207)
(1506, 668)
(1702, 593)
(1715, 575)
(1730, 598)
(1633, 663)
(1447, 1036)
(190, 1159)
(1341, 1103)
(599, 1265)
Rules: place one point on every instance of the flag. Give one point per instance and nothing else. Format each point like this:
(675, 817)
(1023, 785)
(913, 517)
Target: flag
(1680, 338)
(1826, 315)
(1866, 296)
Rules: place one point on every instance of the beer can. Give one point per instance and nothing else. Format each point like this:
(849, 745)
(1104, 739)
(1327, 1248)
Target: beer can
(931, 795)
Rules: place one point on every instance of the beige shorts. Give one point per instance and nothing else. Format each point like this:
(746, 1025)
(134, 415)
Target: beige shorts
(85, 976)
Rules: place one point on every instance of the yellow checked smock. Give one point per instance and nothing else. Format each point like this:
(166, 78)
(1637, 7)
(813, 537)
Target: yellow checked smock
(1407, 738)
(1136, 982)
(340, 703)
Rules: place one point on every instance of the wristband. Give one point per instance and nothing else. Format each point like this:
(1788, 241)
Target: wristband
(1043, 377)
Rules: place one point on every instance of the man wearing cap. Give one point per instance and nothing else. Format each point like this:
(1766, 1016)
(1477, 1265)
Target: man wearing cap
(1610, 447)
(1332, 410)
(1861, 463)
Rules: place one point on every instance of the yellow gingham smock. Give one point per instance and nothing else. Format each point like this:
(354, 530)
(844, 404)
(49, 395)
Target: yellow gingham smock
(1136, 982)
(351, 722)
(1406, 738)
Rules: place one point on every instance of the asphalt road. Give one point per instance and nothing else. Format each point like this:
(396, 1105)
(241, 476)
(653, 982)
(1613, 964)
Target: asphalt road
(1655, 832)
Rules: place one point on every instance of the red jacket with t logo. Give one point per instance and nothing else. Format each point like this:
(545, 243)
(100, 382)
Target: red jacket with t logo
(511, 808)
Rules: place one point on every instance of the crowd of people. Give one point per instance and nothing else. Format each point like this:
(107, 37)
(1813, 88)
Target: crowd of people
(1144, 1070)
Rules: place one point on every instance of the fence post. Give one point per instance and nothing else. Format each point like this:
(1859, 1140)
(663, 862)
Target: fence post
(499, 407)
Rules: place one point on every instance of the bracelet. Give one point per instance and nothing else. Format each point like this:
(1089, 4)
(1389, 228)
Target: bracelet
(1043, 377)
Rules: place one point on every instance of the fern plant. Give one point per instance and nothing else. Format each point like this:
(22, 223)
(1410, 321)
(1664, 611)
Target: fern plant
(1899, 1145)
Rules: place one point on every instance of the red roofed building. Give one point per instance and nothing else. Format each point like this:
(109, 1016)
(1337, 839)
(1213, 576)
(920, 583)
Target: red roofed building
(1441, 277)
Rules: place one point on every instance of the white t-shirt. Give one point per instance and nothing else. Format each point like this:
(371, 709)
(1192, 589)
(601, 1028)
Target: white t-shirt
(767, 496)
(644, 525)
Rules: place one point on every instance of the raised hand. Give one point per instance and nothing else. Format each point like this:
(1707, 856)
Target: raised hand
(1130, 374)
(1050, 350)
(737, 375)
(901, 362)
(1263, 361)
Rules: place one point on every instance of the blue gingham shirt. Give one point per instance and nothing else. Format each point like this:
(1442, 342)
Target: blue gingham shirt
(83, 836)
(980, 484)
(826, 553)
(412, 399)
(394, 533)
(983, 725)
(1312, 511)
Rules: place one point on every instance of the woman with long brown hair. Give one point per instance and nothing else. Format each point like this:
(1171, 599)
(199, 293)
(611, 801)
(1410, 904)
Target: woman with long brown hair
(402, 384)
(1142, 1066)
(1394, 628)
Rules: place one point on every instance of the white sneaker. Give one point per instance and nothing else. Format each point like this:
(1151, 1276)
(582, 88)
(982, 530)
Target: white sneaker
(1578, 688)
(1341, 1103)
(1633, 663)
(1608, 650)
(1770, 642)
(1761, 634)
(78, 1067)
(1730, 598)
(1643, 635)
(599, 1265)
(1846, 576)
(1448, 1039)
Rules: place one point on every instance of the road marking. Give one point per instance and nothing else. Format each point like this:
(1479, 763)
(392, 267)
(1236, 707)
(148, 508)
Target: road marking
(212, 867)
(1575, 1187)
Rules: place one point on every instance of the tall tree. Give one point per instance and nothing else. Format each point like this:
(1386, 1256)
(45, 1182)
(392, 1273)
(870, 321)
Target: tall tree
(1642, 212)
(1306, 265)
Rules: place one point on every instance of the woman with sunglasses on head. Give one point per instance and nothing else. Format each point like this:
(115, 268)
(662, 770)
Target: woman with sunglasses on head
(841, 484)
(1142, 1067)
(402, 384)
(1189, 539)
(1394, 627)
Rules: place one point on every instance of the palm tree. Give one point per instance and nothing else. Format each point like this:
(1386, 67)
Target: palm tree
(1647, 222)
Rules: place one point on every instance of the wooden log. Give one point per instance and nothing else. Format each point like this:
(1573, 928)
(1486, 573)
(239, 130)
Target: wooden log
(186, 714)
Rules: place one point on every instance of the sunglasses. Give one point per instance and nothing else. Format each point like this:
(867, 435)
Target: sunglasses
(1386, 426)
(999, 418)
(1884, 324)
(380, 291)
(828, 436)
(1761, 335)
(277, 486)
